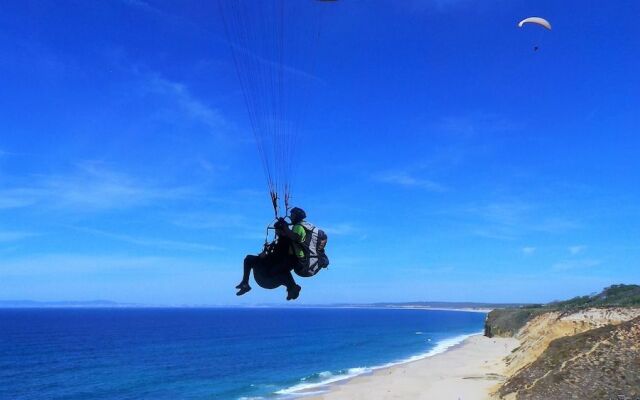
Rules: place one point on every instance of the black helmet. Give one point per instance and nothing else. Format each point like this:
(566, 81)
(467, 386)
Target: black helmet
(297, 214)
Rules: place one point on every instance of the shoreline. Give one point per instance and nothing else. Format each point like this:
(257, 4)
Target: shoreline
(304, 390)
(465, 369)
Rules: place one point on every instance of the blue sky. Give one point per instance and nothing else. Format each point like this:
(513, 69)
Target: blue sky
(457, 164)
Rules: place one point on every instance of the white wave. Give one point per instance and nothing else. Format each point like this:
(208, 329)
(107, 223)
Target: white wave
(418, 333)
(328, 379)
(304, 389)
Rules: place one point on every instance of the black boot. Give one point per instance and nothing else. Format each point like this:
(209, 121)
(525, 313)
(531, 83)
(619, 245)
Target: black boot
(293, 292)
(244, 288)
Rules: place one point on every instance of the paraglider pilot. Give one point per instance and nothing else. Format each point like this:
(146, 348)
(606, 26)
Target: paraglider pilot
(272, 267)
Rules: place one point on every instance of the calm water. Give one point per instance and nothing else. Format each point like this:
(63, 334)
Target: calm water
(207, 353)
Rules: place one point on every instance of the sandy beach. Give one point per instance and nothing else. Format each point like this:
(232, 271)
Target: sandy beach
(466, 372)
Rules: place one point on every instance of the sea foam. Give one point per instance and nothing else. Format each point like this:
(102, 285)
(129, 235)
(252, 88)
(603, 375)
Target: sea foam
(307, 388)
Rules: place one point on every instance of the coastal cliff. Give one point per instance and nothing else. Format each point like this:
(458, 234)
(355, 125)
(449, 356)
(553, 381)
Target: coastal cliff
(587, 347)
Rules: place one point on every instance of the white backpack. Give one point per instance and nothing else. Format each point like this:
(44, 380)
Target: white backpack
(314, 244)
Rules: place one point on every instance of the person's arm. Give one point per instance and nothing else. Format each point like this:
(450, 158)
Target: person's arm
(297, 234)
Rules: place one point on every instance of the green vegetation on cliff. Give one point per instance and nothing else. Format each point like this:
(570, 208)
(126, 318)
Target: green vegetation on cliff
(507, 321)
(613, 296)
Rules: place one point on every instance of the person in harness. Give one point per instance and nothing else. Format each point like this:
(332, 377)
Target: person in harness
(299, 248)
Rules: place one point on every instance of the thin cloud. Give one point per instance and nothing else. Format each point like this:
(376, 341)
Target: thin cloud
(479, 123)
(499, 233)
(173, 100)
(191, 106)
(274, 65)
(18, 197)
(56, 263)
(155, 12)
(428, 5)
(340, 229)
(556, 225)
(152, 242)
(208, 220)
(4, 153)
(511, 219)
(528, 250)
(575, 250)
(91, 187)
(576, 264)
(14, 236)
(502, 212)
(406, 180)
(144, 6)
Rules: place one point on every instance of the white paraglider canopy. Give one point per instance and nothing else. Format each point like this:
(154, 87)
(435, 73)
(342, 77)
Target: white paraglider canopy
(535, 20)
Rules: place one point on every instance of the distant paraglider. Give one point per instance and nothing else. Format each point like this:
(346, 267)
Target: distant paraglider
(535, 21)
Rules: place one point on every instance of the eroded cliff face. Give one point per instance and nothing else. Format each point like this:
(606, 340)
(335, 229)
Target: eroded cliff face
(559, 352)
(536, 335)
(601, 363)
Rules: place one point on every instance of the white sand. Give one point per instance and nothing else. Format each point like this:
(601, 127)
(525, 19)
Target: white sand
(466, 372)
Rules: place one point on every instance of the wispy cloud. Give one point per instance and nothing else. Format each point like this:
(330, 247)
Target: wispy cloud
(576, 264)
(91, 187)
(574, 250)
(4, 153)
(18, 197)
(151, 9)
(345, 229)
(340, 229)
(502, 212)
(152, 242)
(143, 6)
(528, 250)
(555, 225)
(513, 218)
(503, 220)
(405, 179)
(428, 5)
(210, 220)
(190, 106)
(172, 99)
(478, 123)
(13, 236)
(66, 264)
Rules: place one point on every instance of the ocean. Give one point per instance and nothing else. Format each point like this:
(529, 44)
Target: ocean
(210, 353)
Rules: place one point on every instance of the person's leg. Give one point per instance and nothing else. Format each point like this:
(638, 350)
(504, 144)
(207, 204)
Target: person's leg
(283, 266)
(249, 262)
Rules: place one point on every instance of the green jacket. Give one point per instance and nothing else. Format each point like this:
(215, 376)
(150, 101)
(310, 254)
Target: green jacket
(296, 245)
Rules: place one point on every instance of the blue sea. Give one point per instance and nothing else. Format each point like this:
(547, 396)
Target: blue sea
(210, 353)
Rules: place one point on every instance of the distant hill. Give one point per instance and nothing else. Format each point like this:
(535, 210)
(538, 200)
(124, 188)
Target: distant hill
(424, 304)
(451, 304)
(113, 304)
(61, 304)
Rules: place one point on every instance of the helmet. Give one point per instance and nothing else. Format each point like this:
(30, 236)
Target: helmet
(297, 214)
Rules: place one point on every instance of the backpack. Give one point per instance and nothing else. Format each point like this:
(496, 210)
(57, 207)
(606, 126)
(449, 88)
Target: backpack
(313, 247)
